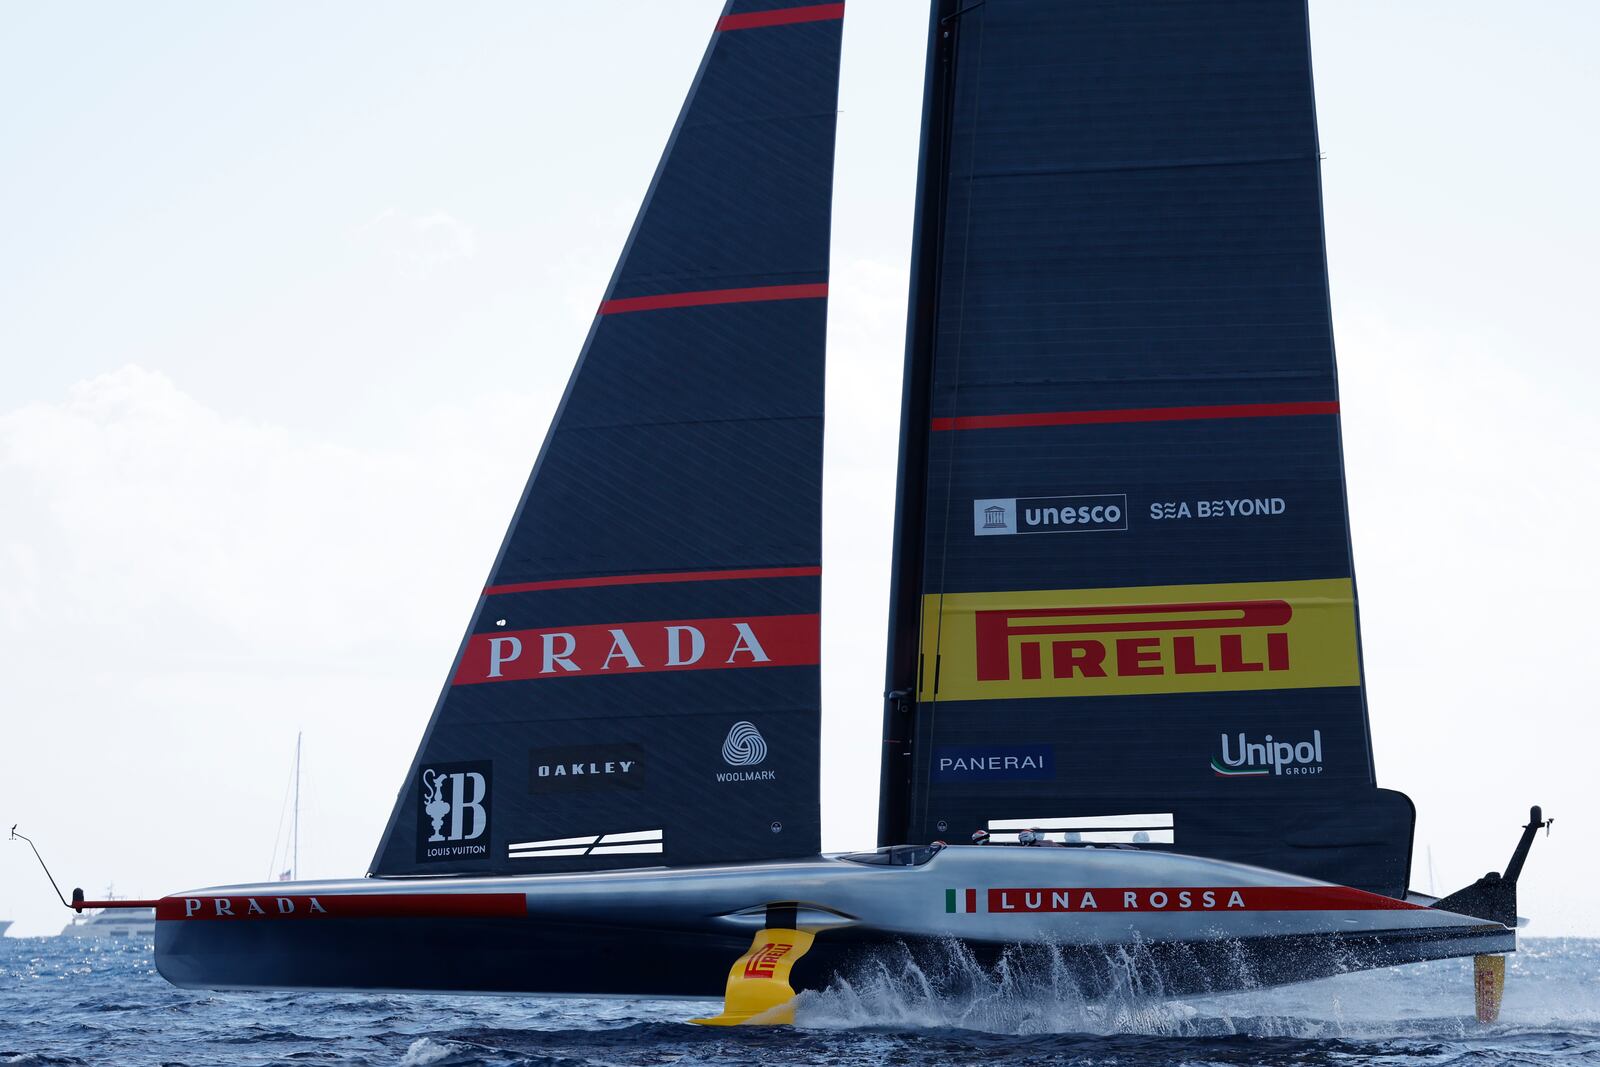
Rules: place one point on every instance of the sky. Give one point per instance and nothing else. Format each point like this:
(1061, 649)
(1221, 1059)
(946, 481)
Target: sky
(288, 293)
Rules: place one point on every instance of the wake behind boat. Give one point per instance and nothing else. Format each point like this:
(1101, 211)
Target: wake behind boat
(1123, 604)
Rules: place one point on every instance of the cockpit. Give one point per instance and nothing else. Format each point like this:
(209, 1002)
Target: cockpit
(895, 855)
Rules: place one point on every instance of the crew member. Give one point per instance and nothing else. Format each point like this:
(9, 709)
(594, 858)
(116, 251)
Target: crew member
(980, 837)
(1028, 839)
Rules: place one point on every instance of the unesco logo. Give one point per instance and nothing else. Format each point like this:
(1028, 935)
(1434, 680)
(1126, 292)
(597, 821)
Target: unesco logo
(1001, 516)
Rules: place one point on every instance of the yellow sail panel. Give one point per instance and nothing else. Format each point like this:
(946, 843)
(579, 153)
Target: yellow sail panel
(1145, 639)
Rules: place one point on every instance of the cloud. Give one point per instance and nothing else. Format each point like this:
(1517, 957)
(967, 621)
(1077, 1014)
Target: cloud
(421, 245)
(147, 508)
(181, 589)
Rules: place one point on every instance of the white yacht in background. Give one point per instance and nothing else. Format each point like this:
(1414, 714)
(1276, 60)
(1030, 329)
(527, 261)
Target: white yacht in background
(5, 924)
(120, 924)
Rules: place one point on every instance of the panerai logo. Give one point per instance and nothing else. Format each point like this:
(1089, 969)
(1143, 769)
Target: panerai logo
(1049, 514)
(1243, 758)
(992, 763)
(454, 821)
(744, 747)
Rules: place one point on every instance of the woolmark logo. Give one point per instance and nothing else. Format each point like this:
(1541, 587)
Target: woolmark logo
(1049, 514)
(454, 821)
(1243, 758)
(744, 747)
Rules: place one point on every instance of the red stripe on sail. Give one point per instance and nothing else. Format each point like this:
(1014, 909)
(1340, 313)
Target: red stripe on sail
(655, 579)
(269, 905)
(784, 16)
(1092, 418)
(704, 297)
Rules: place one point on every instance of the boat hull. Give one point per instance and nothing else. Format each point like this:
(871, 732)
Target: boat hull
(676, 932)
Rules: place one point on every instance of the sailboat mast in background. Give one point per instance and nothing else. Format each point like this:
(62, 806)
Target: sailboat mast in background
(294, 828)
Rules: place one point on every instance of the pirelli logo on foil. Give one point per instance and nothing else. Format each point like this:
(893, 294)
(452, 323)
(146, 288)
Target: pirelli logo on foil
(1147, 639)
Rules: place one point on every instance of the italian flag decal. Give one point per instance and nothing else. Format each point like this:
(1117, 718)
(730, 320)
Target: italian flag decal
(960, 901)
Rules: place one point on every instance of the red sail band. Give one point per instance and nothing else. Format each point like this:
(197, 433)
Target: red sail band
(1116, 415)
(783, 16)
(611, 650)
(655, 579)
(704, 297)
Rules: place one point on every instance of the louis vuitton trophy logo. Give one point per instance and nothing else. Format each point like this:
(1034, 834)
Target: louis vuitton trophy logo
(455, 806)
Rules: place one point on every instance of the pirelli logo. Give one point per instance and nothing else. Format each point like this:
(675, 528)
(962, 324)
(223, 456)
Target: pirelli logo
(1151, 639)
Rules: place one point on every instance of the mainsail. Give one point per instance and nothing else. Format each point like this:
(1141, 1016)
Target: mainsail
(639, 683)
(1124, 594)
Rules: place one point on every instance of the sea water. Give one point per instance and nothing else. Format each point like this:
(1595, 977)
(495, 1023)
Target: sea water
(64, 1001)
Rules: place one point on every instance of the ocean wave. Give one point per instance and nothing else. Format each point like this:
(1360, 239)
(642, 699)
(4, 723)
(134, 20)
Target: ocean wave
(64, 1006)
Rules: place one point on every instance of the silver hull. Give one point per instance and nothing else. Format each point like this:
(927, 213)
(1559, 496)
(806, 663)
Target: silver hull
(1195, 924)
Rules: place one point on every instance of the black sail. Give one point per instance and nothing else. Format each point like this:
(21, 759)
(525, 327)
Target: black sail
(1124, 597)
(639, 683)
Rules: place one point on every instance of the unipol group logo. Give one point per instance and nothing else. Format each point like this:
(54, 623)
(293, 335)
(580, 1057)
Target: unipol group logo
(454, 821)
(1049, 514)
(1166, 639)
(744, 747)
(1244, 758)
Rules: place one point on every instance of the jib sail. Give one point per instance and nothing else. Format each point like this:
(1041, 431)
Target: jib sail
(1123, 586)
(639, 684)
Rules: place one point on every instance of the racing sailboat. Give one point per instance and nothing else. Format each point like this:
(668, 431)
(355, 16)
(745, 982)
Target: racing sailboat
(1123, 610)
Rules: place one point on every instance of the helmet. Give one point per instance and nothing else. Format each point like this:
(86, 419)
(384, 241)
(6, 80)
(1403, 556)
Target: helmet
(937, 845)
(1027, 837)
(980, 837)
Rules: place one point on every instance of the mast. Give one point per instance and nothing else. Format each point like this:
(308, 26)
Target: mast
(900, 683)
(294, 863)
